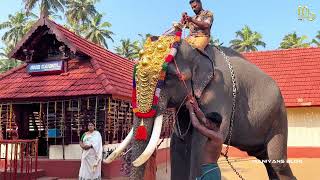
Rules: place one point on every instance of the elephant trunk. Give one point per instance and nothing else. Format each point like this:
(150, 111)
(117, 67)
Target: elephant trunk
(142, 150)
(152, 145)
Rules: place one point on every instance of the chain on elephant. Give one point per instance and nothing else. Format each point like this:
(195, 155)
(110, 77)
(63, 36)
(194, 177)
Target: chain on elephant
(234, 96)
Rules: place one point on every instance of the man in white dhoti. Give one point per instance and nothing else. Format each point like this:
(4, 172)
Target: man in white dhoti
(91, 144)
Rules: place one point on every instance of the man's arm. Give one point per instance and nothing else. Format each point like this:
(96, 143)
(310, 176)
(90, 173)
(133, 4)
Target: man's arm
(199, 114)
(205, 24)
(200, 24)
(202, 129)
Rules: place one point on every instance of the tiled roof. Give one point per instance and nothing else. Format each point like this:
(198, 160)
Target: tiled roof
(79, 80)
(114, 71)
(105, 73)
(296, 71)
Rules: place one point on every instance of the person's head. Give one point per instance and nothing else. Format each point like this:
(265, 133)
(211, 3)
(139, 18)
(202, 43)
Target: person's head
(196, 6)
(214, 121)
(91, 126)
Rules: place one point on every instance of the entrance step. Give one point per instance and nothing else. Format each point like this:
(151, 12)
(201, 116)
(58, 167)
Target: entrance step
(47, 178)
(23, 175)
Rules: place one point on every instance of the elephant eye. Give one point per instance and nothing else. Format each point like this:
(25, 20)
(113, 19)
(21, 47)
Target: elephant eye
(171, 71)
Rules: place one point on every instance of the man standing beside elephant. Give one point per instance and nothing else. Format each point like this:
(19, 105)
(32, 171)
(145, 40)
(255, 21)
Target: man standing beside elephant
(210, 128)
(199, 25)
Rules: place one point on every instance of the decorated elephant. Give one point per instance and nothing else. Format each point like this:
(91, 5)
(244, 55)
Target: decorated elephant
(222, 81)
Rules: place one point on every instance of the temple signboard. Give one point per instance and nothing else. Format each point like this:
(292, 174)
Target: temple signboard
(52, 67)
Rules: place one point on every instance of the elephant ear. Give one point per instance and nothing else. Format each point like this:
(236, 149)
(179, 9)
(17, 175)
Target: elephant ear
(202, 74)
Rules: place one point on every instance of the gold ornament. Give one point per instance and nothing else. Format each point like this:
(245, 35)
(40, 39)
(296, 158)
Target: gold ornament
(148, 70)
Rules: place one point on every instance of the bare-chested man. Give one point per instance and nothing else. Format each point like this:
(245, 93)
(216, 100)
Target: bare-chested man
(209, 127)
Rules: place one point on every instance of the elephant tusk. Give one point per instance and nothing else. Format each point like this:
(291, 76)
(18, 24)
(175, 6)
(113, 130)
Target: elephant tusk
(152, 143)
(116, 153)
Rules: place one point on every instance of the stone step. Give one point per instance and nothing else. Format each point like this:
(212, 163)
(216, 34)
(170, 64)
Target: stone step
(23, 175)
(47, 178)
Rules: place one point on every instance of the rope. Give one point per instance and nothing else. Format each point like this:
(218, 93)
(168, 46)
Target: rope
(182, 103)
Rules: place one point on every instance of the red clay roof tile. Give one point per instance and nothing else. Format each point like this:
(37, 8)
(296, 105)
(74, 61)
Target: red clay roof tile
(105, 73)
(12, 86)
(297, 72)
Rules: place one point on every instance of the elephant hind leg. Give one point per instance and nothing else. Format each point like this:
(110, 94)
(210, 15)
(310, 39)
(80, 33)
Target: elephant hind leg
(277, 153)
(276, 145)
(263, 156)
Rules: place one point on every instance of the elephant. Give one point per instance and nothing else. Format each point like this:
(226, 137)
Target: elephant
(260, 125)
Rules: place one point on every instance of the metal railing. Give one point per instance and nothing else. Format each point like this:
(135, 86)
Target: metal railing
(18, 159)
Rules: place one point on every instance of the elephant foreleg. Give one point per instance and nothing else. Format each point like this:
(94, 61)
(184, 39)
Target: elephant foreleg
(180, 157)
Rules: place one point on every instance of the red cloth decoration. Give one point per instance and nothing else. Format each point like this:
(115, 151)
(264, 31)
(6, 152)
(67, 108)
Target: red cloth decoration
(155, 100)
(141, 133)
(169, 58)
(149, 114)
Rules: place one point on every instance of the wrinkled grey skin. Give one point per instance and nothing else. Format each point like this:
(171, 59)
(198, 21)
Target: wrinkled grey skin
(260, 126)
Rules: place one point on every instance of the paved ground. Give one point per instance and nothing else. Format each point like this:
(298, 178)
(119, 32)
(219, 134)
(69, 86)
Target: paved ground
(303, 169)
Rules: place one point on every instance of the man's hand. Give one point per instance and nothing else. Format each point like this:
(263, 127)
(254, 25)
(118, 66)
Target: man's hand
(188, 18)
(189, 103)
(184, 14)
(183, 18)
(195, 104)
(195, 108)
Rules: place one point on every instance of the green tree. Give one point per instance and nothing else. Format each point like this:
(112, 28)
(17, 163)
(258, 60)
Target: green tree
(80, 11)
(5, 62)
(215, 42)
(46, 6)
(17, 25)
(316, 40)
(97, 31)
(128, 49)
(139, 44)
(143, 39)
(78, 29)
(292, 40)
(247, 40)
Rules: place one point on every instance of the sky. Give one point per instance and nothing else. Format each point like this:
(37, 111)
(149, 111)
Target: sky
(272, 18)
